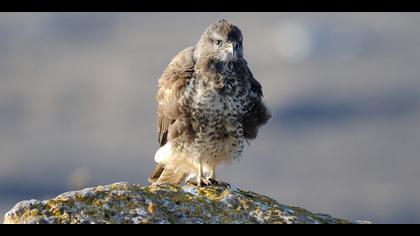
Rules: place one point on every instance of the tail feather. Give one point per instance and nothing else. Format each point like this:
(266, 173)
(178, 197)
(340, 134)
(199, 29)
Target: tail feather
(166, 172)
(157, 172)
(171, 176)
(165, 175)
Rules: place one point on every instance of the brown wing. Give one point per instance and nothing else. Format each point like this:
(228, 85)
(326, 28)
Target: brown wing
(171, 85)
(257, 114)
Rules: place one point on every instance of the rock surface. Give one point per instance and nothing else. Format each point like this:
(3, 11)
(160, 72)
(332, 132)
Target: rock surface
(135, 204)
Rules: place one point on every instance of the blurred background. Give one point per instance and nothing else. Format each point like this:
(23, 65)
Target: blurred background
(77, 105)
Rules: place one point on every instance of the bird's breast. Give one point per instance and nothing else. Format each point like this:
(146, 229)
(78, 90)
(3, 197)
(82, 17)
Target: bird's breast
(216, 103)
(217, 118)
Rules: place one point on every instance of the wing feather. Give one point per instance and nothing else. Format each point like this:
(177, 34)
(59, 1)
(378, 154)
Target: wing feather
(170, 88)
(257, 114)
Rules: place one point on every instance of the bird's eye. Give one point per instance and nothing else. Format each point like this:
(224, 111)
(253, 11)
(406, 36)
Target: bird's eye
(218, 42)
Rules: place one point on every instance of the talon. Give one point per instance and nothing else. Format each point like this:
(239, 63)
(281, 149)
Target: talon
(206, 182)
(213, 181)
(203, 182)
(216, 182)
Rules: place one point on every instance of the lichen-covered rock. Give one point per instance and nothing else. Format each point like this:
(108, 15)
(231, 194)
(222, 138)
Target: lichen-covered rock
(134, 204)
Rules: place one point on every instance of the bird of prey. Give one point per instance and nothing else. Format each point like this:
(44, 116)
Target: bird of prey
(209, 104)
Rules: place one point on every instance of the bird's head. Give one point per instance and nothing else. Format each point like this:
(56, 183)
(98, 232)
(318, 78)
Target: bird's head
(222, 41)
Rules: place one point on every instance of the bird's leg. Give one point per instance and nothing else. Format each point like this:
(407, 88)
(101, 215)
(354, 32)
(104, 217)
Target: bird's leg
(200, 181)
(200, 174)
(214, 181)
(212, 174)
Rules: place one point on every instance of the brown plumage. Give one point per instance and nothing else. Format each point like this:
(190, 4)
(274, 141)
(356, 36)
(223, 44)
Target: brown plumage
(208, 104)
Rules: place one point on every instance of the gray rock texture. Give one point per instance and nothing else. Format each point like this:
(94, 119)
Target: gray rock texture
(124, 203)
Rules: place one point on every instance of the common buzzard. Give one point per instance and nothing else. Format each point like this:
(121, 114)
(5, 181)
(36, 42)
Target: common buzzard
(209, 105)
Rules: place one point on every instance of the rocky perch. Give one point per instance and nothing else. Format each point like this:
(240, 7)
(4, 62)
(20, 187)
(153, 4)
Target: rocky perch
(135, 204)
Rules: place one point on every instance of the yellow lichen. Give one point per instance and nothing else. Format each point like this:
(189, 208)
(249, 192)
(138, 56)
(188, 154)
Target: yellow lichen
(35, 212)
(98, 203)
(214, 194)
(245, 203)
(56, 212)
(151, 208)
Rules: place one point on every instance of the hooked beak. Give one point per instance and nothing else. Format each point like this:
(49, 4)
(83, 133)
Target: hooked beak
(231, 50)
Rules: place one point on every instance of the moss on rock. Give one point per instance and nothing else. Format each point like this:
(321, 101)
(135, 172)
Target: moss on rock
(124, 203)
